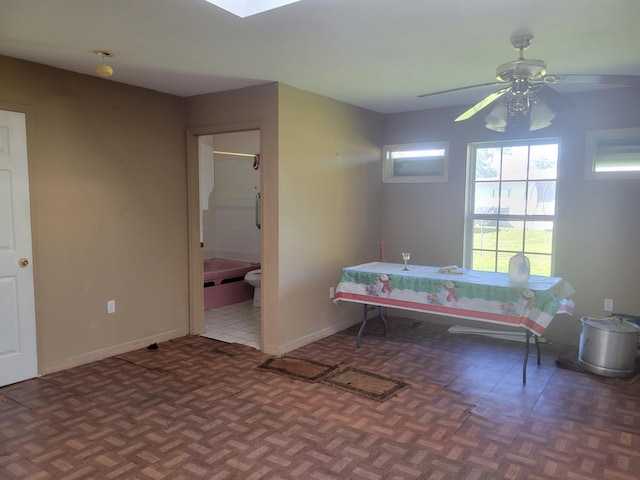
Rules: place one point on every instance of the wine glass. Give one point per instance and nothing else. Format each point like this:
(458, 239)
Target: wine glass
(406, 256)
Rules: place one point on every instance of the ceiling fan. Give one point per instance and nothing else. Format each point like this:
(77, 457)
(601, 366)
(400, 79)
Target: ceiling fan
(526, 90)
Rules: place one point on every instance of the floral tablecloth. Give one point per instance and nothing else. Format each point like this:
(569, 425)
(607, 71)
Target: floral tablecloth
(483, 296)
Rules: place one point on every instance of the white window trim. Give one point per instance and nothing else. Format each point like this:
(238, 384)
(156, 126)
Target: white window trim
(470, 194)
(593, 139)
(387, 163)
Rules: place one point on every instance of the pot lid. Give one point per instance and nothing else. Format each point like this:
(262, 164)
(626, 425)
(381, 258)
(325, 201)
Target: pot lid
(611, 324)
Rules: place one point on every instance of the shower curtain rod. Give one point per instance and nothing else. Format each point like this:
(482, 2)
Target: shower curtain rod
(252, 155)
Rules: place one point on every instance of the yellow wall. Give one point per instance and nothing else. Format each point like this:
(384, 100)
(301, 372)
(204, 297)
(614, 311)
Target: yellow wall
(598, 220)
(108, 194)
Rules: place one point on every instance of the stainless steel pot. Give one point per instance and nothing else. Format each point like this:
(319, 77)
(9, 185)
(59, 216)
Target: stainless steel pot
(608, 346)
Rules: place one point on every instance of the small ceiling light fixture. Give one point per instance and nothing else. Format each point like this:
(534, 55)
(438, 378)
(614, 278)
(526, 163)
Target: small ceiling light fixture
(104, 70)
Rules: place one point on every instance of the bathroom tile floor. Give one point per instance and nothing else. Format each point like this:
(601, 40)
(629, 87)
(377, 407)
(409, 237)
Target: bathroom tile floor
(237, 323)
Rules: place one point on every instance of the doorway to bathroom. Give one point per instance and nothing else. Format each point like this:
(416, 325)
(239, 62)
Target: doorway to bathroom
(230, 220)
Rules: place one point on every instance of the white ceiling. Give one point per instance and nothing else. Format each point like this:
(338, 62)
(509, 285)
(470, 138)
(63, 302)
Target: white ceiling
(376, 54)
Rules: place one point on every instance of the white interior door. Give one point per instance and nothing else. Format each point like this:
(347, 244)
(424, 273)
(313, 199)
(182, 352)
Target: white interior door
(18, 354)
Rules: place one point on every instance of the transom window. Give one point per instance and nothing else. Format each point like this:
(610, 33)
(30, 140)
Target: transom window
(511, 205)
(415, 163)
(613, 154)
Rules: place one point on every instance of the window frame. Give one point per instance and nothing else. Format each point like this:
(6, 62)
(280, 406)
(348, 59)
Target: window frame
(595, 138)
(388, 167)
(470, 217)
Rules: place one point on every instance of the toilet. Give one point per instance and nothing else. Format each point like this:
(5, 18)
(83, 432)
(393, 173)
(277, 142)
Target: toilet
(254, 278)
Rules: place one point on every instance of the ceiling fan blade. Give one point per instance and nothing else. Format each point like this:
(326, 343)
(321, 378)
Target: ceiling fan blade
(481, 104)
(622, 80)
(555, 100)
(468, 87)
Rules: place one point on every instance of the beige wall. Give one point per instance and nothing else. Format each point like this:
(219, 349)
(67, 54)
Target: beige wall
(598, 221)
(320, 191)
(109, 186)
(329, 209)
(108, 194)
(110, 207)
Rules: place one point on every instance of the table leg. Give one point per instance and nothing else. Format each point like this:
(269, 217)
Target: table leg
(368, 308)
(364, 323)
(384, 320)
(526, 356)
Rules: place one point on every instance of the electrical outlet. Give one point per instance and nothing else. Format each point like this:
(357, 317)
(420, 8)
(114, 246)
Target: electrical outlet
(332, 292)
(608, 305)
(111, 306)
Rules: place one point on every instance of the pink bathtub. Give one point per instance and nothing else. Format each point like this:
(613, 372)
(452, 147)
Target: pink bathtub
(224, 282)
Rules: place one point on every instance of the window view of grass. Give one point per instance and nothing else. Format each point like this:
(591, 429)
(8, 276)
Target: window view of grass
(537, 246)
(512, 205)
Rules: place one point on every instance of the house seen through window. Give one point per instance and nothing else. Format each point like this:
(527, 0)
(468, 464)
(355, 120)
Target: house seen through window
(511, 205)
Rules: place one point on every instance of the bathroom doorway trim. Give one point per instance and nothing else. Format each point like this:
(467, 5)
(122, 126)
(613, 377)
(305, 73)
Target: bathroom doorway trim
(196, 295)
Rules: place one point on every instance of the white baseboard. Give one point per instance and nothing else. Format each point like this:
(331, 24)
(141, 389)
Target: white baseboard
(113, 350)
(278, 350)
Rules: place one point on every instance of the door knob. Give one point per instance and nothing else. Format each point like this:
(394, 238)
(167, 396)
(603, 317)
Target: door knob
(23, 262)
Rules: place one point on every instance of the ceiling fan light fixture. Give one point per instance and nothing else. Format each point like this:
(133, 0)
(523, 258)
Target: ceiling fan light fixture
(497, 118)
(540, 116)
(521, 83)
(496, 128)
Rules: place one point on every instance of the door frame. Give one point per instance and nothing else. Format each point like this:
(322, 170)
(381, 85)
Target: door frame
(195, 257)
(29, 121)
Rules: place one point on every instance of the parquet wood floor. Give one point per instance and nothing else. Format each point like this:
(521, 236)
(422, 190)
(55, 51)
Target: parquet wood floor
(198, 409)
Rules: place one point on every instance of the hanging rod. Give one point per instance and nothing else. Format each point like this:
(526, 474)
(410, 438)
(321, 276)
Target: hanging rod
(252, 155)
